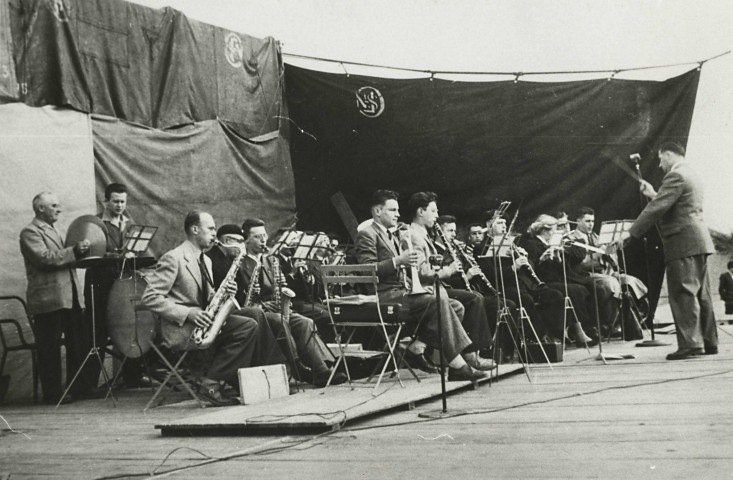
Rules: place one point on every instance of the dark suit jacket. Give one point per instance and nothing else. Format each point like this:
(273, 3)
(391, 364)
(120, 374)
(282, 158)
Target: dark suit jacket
(48, 268)
(174, 288)
(725, 288)
(678, 210)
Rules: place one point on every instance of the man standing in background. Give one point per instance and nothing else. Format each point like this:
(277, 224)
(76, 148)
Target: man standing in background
(52, 297)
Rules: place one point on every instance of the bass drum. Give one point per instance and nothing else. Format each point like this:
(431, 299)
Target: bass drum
(132, 329)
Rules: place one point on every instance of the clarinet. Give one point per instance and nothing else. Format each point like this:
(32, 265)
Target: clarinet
(471, 264)
(452, 252)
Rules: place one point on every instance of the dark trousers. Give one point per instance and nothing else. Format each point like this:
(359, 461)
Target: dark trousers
(234, 348)
(580, 298)
(308, 346)
(475, 321)
(423, 308)
(319, 314)
(48, 329)
(691, 303)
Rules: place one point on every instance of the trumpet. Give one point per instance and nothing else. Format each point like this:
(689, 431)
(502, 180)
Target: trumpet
(416, 287)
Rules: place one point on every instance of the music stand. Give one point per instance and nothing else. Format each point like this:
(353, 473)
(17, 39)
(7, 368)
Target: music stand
(137, 242)
(502, 247)
(619, 230)
(556, 241)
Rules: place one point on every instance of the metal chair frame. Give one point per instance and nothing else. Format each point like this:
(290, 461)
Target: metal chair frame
(365, 275)
(23, 345)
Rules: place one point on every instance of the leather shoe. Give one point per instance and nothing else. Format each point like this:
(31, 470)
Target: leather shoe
(321, 378)
(216, 399)
(479, 363)
(684, 353)
(465, 373)
(711, 349)
(418, 360)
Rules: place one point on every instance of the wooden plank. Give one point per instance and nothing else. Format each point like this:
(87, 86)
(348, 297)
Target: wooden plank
(316, 408)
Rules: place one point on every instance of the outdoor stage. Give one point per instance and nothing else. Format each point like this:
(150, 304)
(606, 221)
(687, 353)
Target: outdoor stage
(643, 417)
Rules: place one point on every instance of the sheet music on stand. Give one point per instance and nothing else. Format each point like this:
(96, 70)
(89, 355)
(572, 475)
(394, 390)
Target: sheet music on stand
(138, 238)
(305, 245)
(556, 240)
(614, 230)
(500, 246)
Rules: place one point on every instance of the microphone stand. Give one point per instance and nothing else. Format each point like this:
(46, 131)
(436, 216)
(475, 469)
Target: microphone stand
(653, 342)
(443, 413)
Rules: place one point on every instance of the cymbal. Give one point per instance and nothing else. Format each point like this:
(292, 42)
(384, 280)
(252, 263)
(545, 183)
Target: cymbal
(91, 228)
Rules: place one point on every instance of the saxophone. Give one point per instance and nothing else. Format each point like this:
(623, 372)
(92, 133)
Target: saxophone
(281, 295)
(254, 283)
(222, 304)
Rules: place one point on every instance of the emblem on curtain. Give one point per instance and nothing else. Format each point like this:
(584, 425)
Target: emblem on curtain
(233, 50)
(370, 102)
(59, 9)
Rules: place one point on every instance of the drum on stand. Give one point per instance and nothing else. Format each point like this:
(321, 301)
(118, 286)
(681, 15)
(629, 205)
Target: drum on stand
(131, 330)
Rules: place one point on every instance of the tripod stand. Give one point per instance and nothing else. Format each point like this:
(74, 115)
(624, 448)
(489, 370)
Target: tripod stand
(94, 350)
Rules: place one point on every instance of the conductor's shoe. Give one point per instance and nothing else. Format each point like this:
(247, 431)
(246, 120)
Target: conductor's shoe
(684, 353)
(465, 373)
(419, 361)
(711, 349)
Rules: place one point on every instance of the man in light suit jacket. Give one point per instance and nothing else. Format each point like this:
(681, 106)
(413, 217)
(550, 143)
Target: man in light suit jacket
(677, 207)
(376, 244)
(178, 292)
(52, 297)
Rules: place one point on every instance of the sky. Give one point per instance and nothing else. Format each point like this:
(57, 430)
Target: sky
(516, 35)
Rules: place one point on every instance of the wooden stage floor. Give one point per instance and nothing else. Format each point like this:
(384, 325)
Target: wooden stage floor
(637, 418)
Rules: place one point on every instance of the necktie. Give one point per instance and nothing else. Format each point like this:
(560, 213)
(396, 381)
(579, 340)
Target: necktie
(591, 242)
(204, 280)
(394, 240)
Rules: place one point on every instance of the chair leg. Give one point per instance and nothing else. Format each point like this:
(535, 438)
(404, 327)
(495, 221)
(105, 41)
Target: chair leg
(173, 371)
(34, 368)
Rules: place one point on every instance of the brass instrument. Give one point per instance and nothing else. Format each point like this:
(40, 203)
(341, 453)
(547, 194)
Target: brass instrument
(452, 251)
(282, 297)
(254, 283)
(220, 307)
(416, 287)
(280, 290)
(468, 258)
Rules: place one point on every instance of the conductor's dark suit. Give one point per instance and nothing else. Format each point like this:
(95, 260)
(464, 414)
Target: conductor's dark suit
(687, 243)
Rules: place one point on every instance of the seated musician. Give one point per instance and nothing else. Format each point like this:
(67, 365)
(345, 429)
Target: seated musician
(477, 283)
(514, 275)
(376, 244)
(548, 262)
(304, 278)
(476, 233)
(590, 272)
(423, 209)
(178, 292)
(312, 353)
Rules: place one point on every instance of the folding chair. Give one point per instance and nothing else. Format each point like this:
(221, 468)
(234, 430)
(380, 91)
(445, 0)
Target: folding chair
(362, 311)
(23, 343)
(179, 371)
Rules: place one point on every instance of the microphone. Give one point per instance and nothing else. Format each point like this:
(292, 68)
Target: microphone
(635, 157)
